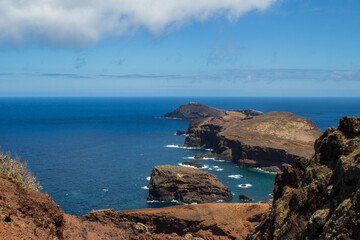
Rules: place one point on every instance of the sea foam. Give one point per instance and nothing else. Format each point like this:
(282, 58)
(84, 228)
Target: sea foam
(237, 176)
(247, 185)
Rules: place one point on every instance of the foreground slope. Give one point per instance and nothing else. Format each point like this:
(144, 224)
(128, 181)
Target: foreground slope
(319, 198)
(28, 214)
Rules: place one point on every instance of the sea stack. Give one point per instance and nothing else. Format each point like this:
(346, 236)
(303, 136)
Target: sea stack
(186, 185)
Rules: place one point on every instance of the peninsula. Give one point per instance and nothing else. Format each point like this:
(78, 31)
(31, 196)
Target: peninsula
(248, 137)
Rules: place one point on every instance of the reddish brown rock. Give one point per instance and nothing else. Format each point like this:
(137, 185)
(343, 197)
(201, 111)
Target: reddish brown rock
(319, 198)
(186, 185)
(207, 221)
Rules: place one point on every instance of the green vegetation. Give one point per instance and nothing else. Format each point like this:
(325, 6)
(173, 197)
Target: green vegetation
(17, 169)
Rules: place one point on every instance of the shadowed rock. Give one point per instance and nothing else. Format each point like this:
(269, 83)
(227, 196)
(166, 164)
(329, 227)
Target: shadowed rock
(245, 198)
(193, 164)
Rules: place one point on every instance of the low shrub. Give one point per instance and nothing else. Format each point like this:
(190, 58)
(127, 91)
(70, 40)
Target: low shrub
(14, 167)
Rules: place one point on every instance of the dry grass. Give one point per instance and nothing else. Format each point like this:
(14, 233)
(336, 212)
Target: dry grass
(14, 167)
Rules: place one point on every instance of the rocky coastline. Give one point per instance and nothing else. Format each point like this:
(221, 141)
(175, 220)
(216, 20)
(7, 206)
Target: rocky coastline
(248, 138)
(318, 197)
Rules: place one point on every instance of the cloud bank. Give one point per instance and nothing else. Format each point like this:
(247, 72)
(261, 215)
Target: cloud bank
(234, 75)
(84, 22)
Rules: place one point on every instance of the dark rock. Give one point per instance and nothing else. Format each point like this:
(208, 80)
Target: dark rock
(319, 198)
(205, 155)
(272, 169)
(245, 198)
(193, 164)
(249, 112)
(195, 110)
(186, 185)
(179, 132)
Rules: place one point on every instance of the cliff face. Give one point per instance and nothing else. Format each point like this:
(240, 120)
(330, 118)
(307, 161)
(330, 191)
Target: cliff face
(319, 198)
(270, 139)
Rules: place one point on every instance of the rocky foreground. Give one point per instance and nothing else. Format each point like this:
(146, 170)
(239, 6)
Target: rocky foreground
(28, 214)
(267, 140)
(186, 185)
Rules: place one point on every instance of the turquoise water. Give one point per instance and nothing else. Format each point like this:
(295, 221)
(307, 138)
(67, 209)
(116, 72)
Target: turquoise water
(94, 153)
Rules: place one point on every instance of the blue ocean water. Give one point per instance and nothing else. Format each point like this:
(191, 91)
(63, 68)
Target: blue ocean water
(95, 153)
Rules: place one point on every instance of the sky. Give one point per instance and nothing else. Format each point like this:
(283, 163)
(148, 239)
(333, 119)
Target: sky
(282, 48)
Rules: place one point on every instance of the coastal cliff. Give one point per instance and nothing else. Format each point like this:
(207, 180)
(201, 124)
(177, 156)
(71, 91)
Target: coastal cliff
(319, 198)
(265, 140)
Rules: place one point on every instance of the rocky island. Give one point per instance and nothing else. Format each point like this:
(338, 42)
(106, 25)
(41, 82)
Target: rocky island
(196, 110)
(186, 185)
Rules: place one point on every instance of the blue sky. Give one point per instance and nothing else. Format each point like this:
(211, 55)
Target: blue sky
(182, 48)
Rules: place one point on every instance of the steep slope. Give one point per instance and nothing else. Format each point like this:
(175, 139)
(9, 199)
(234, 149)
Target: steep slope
(319, 198)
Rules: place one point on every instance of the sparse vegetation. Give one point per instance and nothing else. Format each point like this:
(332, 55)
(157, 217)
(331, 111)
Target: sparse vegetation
(14, 167)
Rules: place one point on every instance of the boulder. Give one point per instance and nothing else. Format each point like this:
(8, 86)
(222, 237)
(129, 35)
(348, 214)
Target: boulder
(245, 198)
(180, 132)
(193, 164)
(186, 185)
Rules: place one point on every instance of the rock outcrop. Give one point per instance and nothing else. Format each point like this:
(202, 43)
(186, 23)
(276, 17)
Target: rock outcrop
(203, 221)
(186, 185)
(245, 198)
(319, 198)
(193, 163)
(266, 140)
(197, 110)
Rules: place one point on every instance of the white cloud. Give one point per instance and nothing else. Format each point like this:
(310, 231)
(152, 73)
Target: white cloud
(79, 22)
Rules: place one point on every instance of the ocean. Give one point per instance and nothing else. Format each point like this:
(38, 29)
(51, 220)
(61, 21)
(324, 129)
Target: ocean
(98, 153)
